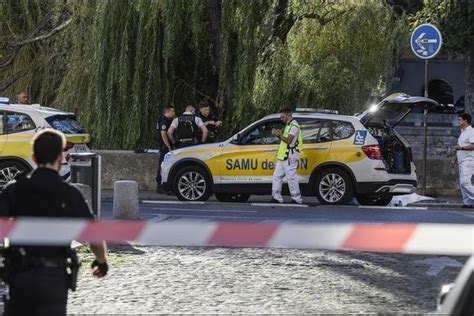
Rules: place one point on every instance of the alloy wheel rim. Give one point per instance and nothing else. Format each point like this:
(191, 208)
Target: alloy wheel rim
(332, 187)
(192, 185)
(8, 174)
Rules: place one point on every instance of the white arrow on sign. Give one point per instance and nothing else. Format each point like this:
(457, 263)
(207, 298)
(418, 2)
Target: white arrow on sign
(437, 264)
(428, 41)
(418, 41)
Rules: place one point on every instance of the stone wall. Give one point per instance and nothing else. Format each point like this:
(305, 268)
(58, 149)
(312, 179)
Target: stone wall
(127, 165)
(443, 132)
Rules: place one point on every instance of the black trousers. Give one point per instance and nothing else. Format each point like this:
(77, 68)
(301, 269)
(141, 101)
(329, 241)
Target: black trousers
(39, 291)
(163, 152)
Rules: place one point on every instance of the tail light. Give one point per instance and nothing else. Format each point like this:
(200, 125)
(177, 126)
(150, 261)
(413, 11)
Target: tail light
(69, 146)
(373, 152)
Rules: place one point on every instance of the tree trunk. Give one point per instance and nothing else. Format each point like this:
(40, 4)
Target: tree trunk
(469, 79)
(214, 8)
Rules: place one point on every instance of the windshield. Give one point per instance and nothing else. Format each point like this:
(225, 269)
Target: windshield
(65, 124)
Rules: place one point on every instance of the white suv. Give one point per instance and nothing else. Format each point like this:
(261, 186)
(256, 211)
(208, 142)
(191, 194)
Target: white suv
(343, 157)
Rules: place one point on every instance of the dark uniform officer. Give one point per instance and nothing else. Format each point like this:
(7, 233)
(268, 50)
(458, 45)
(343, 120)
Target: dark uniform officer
(164, 142)
(190, 129)
(211, 121)
(36, 275)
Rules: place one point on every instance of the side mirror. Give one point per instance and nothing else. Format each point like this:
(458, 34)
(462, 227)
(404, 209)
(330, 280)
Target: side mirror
(236, 138)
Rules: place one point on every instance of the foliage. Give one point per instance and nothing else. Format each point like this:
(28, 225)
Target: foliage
(121, 61)
(454, 18)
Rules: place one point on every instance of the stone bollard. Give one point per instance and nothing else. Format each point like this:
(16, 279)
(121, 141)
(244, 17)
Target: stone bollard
(125, 199)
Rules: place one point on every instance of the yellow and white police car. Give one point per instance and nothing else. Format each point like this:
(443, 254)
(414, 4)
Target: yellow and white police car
(19, 124)
(343, 157)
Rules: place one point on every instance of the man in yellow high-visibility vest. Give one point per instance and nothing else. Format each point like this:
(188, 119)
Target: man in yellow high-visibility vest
(288, 154)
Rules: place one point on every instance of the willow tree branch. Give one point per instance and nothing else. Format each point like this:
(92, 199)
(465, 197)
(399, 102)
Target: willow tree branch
(283, 23)
(31, 38)
(196, 90)
(322, 19)
(14, 78)
(8, 60)
(42, 37)
(32, 67)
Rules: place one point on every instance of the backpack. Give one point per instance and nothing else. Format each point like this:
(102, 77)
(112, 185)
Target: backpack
(187, 130)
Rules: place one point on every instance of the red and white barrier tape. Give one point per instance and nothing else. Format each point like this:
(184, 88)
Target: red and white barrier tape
(447, 239)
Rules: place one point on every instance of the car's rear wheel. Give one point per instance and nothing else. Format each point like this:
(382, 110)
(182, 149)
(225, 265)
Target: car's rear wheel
(334, 187)
(192, 184)
(230, 197)
(375, 200)
(11, 170)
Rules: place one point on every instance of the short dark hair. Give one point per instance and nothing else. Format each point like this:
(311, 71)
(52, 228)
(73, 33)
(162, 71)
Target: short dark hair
(168, 108)
(286, 110)
(466, 117)
(203, 105)
(48, 145)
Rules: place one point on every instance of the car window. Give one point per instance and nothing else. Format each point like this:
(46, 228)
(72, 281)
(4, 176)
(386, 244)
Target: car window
(316, 131)
(19, 122)
(65, 124)
(2, 124)
(342, 130)
(262, 134)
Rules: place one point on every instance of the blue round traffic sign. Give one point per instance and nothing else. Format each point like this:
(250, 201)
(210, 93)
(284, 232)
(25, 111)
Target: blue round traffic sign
(426, 41)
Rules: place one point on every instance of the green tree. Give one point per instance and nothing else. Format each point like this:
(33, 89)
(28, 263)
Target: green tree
(116, 63)
(455, 19)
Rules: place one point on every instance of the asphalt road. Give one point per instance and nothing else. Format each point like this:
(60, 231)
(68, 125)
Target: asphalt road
(260, 211)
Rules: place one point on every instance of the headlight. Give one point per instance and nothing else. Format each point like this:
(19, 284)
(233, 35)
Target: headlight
(168, 157)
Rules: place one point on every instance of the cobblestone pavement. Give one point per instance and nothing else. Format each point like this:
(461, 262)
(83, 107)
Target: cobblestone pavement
(146, 280)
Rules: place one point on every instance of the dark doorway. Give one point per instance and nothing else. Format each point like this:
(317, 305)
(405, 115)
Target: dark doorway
(440, 90)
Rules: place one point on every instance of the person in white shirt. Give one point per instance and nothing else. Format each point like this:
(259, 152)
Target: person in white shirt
(189, 129)
(465, 156)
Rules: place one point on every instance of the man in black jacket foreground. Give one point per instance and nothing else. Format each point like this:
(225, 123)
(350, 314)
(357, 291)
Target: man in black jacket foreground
(38, 277)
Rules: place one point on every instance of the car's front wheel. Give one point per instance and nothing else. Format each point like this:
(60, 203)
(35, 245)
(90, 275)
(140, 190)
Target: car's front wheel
(11, 170)
(334, 187)
(192, 184)
(375, 200)
(230, 197)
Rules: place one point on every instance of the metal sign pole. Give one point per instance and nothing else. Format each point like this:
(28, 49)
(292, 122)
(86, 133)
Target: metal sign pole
(425, 42)
(425, 127)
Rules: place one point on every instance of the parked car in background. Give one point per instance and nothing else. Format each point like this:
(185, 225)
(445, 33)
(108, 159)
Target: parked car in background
(19, 124)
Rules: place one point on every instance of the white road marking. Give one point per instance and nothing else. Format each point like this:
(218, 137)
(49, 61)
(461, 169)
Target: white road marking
(158, 218)
(278, 205)
(200, 210)
(257, 218)
(173, 202)
(437, 264)
(395, 207)
(470, 214)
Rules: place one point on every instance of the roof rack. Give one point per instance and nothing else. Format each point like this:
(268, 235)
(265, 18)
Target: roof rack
(313, 110)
